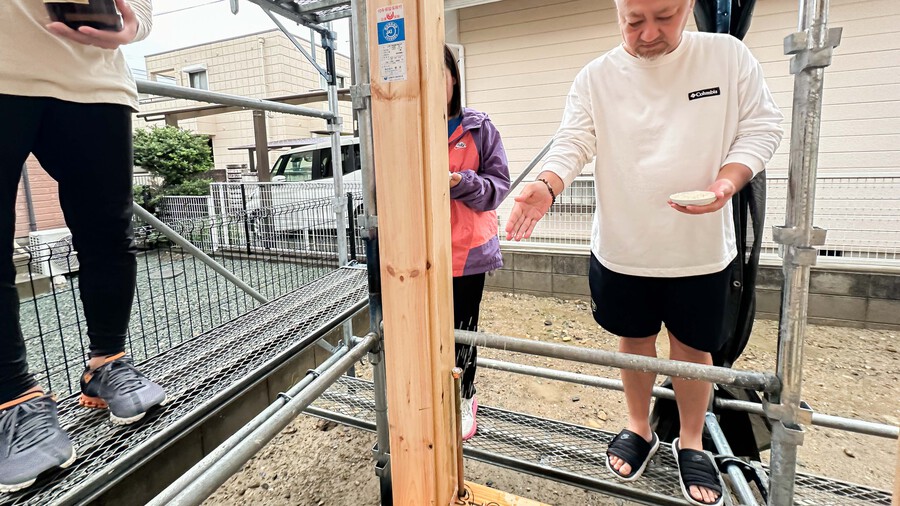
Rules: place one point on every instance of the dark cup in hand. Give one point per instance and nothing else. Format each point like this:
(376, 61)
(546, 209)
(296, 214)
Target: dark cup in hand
(98, 14)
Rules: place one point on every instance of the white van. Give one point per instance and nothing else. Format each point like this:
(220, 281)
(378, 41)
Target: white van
(302, 190)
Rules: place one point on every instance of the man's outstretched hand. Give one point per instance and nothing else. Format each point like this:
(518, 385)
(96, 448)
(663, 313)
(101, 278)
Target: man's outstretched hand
(531, 205)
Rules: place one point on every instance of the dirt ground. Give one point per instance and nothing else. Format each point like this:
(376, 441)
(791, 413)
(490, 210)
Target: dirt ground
(848, 372)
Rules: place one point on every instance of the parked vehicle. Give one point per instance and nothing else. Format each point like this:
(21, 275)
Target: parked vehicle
(297, 204)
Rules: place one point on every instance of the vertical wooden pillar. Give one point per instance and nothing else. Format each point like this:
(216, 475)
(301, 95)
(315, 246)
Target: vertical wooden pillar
(261, 137)
(409, 107)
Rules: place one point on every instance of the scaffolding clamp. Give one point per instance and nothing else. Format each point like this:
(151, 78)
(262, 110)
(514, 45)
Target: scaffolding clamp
(359, 95)
(791, 434)
(805, 57)
(792, 236)
(800, 256)
(334, 124)
(801, 414)
(368, 221)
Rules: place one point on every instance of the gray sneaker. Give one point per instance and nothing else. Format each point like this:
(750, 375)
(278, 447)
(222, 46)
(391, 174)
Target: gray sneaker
(117, 385)
(31, 442)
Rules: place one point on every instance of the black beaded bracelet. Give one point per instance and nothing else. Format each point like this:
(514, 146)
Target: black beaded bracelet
(552, 193)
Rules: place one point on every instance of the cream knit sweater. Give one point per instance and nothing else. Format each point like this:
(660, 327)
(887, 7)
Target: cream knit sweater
(36, 63)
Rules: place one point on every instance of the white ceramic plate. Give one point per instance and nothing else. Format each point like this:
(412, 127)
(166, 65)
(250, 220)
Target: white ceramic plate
(695, 198)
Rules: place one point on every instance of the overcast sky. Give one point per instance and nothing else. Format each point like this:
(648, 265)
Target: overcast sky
(182, 23)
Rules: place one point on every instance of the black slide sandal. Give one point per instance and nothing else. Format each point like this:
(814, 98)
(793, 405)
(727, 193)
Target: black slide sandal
(633, 449)
(697, 469)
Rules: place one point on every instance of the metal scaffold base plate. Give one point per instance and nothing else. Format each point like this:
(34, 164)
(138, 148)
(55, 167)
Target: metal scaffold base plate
(200, 376)
(571, 453)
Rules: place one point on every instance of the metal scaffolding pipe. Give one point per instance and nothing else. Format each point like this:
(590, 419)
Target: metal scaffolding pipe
(858, 426)
(818, 419)
(175, 237)
(362, 105)
(340, 205)
(738, 481)
(744, 379)
(811, 48)
(531, 165)
(171, 90)
(207, 483)
(220, 451)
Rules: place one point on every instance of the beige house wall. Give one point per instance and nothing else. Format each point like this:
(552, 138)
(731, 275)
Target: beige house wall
(522, 55)
(262, 65)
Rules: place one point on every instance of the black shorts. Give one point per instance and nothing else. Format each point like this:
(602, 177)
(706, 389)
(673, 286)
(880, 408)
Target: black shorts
(692, 307)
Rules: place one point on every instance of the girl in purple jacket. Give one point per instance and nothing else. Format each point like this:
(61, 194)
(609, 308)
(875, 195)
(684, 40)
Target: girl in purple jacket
(479, 181)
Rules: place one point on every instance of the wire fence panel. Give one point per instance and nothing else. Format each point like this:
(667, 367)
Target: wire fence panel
(146, 180)
(861, 214)
(290, 217)
(179, 297)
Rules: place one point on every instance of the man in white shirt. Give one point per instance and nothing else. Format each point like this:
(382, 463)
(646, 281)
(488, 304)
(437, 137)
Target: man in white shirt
(667, 111)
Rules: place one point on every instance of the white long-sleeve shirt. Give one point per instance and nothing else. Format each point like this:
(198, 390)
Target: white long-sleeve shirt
(658, 128)
(36, 63)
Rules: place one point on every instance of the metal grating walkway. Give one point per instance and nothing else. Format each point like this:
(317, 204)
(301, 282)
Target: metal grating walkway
(571, 454)
(200, 376)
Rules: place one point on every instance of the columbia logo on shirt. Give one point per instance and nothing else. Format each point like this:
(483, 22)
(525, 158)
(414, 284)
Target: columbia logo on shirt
(460, 145)
(711, 92)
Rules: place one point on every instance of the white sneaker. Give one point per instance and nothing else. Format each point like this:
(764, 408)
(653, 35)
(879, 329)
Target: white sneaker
(468, 408)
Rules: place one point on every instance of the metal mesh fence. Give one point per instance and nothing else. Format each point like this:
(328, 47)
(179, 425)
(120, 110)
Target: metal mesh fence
(861, 214)
(178, 297)
(295, 218)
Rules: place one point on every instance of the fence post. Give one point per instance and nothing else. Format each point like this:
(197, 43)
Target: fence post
(351, 220)
(246, 221)
(213, 222)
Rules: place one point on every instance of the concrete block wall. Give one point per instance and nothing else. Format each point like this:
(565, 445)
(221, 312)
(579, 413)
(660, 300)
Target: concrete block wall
(840, 297)
(563, 276)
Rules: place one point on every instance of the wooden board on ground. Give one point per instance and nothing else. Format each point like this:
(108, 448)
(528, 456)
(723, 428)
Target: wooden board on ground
(482, 495)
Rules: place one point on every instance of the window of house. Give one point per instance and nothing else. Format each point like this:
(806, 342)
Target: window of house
(164, 78)
(198, 80)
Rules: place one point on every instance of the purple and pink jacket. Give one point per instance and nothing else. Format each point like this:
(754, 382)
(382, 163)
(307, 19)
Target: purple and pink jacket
(476, 152)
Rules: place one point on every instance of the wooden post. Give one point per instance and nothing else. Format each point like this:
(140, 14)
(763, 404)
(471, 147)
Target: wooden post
(262, 146)
(409, 107)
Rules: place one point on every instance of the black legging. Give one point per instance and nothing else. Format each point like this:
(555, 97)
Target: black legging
(87, 149)
(467, 292)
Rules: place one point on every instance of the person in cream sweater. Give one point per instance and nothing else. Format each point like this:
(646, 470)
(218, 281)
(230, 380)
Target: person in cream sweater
(67, 97)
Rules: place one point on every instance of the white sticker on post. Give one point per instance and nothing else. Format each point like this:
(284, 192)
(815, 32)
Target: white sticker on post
(392, 43)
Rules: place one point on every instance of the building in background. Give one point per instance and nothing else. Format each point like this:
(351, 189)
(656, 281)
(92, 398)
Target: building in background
(261, 65)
